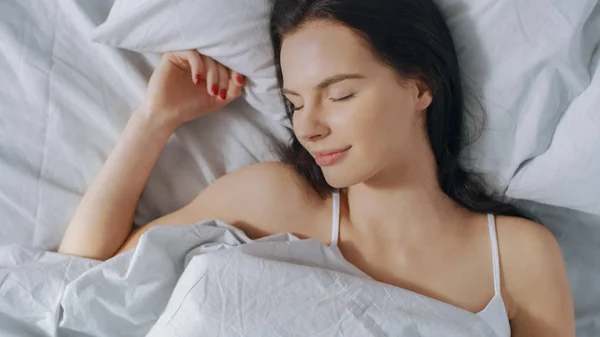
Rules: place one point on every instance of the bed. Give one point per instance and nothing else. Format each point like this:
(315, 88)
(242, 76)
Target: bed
(64, 100)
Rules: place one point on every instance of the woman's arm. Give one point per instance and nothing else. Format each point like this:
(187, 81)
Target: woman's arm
(104, 217)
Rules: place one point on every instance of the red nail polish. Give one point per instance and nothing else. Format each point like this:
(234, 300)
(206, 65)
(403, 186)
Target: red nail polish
(215, 90)
(198, 79)
(240, 79)
(223, 94)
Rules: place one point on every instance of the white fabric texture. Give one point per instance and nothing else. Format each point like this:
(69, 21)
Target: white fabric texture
(568, 173)
(526, 61)
(530, 64)
(233, 32)
(49, 294)
(304, 290)
(209, 279)
(65, 100)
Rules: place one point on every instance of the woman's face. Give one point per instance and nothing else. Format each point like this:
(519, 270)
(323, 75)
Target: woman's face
(352, 113)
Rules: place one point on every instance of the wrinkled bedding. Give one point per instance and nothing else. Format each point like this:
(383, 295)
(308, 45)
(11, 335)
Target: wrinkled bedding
(209, 279)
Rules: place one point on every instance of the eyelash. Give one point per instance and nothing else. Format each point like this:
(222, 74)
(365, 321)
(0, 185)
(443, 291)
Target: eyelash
(342, 99)
(331, 99)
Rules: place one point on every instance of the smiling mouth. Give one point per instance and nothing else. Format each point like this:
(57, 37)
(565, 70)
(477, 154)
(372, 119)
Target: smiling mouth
(330, 158)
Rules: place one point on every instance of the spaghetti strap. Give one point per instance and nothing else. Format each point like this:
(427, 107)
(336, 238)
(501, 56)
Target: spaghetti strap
(335, 219)
(495, 254)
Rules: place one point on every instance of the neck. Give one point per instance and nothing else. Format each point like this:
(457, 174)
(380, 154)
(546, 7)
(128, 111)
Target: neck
(406, 208)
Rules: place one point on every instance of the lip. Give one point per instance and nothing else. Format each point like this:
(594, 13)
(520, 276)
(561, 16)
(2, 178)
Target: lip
(330, 158)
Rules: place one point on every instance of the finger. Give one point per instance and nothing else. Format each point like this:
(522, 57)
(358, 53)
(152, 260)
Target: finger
(236, 83)
(234, 91)
(223, 81)
(196, 64)
(178, 59)
(212, 76)
(237, 78)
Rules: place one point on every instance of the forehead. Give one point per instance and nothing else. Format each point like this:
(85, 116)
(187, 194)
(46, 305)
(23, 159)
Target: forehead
(320, 49)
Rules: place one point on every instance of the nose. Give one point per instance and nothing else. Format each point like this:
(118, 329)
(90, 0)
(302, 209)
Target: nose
(310, 125)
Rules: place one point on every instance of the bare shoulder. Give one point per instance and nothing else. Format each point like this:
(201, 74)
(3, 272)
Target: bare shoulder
(261, 200)
(272, 175)
(270, 181)
(264, 199)
(525, 238)
(528, 250)
(534, 278)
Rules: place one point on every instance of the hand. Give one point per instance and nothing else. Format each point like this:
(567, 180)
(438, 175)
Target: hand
(187, 85)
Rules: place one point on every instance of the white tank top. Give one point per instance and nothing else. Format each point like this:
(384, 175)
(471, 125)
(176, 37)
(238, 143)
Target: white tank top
(494, 314)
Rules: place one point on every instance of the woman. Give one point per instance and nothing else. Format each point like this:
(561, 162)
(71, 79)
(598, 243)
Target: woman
(374, 94)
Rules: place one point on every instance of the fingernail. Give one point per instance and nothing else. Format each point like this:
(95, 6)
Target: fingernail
(223, 94)
(198, 79)
(215, 90)
(240, 79)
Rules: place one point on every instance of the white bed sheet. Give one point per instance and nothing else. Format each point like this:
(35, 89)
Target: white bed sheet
(64, 101)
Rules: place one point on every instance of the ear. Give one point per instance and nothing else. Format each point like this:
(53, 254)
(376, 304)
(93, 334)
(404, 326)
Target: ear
(423, 97)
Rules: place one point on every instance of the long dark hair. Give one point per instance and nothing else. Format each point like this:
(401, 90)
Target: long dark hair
(412, 37)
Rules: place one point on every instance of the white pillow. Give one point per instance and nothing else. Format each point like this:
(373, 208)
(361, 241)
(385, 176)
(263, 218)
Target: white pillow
(532, 62)
(568, 173)
(527, 61)
(233, 32)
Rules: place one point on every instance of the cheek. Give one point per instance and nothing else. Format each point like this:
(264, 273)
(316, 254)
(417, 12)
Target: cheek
(375, 122)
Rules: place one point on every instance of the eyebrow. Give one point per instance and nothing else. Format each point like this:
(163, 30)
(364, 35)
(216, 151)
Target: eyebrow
(329, 81)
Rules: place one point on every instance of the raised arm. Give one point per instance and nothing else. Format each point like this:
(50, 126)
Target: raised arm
(185, 86)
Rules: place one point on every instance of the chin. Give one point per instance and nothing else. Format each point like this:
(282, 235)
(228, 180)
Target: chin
(342, 176)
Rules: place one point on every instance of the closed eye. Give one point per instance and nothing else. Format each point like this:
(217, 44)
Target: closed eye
(294, 108)
(345, 98)
(291, 105)
(342, 99)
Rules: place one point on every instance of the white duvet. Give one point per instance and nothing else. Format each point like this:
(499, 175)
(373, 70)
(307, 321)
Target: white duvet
(209, 279)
